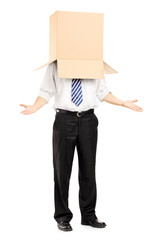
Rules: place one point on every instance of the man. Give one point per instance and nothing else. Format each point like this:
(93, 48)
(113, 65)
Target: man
(75, 125)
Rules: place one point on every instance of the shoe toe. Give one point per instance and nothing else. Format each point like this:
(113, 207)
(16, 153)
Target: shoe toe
(99, 223)
(65, 226)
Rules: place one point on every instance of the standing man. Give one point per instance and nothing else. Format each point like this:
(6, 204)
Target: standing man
(75, 125)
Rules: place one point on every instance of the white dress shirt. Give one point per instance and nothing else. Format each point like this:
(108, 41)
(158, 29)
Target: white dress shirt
(92, 91)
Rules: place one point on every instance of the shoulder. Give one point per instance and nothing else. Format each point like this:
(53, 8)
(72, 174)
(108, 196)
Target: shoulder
(52, 67)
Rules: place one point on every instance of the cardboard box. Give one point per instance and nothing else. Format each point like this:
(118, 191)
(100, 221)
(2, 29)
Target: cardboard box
(76, 42)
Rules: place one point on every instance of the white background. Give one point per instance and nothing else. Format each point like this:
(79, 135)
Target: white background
(127, 153)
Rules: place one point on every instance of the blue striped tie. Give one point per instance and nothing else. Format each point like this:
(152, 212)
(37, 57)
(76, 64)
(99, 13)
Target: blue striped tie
(76, 92)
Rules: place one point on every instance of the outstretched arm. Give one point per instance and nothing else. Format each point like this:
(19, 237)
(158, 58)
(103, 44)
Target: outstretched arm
(47, 90)
(39, 102)
(110, 98)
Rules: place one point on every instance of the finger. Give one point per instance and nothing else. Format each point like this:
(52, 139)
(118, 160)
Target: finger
(139, 108)
(135, 108)
(136, 100)
(132, 108)
(24, 111)
(27, 113)
(23, 105)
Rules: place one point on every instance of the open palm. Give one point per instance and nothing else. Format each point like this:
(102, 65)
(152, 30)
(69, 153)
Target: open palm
(130, 104)
(28, 109)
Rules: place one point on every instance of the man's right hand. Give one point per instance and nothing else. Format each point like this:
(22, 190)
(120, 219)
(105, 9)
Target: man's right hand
(40, 102)
(28, 109)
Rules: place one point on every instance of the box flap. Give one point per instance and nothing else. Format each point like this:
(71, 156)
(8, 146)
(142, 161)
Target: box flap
(88, 64)
(44, 65)
(108, 69)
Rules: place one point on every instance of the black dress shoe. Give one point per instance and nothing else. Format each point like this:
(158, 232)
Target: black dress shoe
(64, 226)
(94, 223)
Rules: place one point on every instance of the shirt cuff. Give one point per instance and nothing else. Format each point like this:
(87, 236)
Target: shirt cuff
(102, 95)
(44, 95)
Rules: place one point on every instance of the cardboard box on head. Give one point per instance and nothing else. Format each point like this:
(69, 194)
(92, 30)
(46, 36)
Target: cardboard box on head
(76, 42)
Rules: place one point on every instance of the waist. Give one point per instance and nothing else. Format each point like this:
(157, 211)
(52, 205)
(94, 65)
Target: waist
(75, 113)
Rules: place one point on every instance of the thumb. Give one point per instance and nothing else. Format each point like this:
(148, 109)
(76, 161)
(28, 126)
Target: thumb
(23, 105)
(135, 100)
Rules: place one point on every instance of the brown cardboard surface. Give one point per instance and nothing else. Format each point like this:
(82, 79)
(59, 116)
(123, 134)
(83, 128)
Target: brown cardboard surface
(84, 68)
(80, 36)
(108, 69)
(76, 42)
(53, 36)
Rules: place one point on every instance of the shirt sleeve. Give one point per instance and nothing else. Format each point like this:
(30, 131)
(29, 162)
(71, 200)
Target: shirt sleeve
(47, 88)
(102, 89)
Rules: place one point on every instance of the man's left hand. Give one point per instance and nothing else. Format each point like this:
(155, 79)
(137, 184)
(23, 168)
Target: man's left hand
(130, 104)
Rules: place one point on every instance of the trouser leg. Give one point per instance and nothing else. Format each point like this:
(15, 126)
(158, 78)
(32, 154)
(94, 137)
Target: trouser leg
(86, 148)
(64, 141)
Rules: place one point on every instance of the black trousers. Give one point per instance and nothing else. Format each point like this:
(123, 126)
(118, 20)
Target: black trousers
(70, 131)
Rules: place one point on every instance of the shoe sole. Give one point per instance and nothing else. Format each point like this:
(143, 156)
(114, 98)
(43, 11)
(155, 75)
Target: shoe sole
(65, 230)
(88, 224)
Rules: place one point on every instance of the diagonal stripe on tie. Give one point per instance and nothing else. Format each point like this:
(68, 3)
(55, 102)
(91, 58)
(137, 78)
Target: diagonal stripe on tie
(76, 91)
